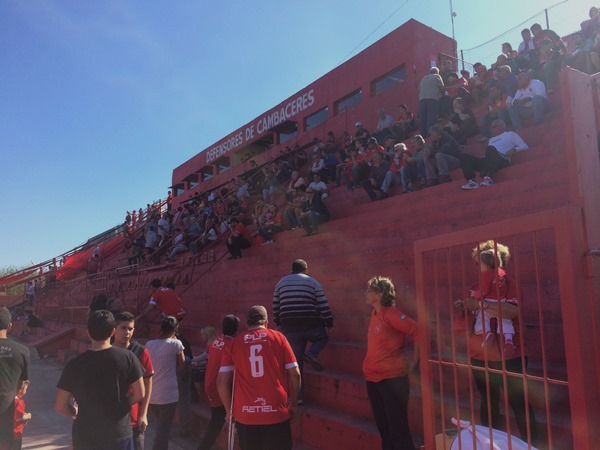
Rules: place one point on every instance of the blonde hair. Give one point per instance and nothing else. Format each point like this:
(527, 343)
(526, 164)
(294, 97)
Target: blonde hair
(499, 253)
(384, 286)
(208, 334)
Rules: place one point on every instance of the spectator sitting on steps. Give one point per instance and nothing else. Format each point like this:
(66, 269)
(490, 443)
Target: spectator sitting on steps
(239, 238)
(318, 186)
(443, 155)
(530, 100)
(313, 213)
(379, 169)
(501, 147)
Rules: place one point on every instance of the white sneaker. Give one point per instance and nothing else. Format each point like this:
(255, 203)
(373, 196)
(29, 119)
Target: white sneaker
(487, 181)
(472, 184)
(267, 243)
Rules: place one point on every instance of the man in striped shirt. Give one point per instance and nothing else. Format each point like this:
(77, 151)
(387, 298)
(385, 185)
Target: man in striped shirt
(301, 310)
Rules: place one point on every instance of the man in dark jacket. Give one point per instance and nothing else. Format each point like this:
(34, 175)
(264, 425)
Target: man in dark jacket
(379, 169)
(313, 213)
(443, 156)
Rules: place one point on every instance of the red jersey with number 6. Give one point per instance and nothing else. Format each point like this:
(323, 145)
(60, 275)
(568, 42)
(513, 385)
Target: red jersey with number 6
(260, 358)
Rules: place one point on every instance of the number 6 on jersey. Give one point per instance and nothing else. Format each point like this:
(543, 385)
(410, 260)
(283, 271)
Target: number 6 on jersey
(256, 361)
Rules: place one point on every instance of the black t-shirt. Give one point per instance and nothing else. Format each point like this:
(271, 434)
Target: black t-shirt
(14, 366)
(99, 381)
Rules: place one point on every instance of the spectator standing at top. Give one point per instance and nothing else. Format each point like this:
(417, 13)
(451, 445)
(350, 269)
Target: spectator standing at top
(104, 382)
(169, 201)
(539, 35)
(266, 376)
(125, 326)
(301, 309)
(216, 349)
(13, 371)
(430, 91)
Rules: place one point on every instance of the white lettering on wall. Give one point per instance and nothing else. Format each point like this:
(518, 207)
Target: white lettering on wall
(262, 125)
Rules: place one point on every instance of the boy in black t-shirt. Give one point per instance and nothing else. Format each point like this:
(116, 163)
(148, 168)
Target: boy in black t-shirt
(104, 382)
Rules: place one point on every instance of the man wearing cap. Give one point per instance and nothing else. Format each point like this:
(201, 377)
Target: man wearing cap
(361, 132)
(430, 91)
(260, 368)
(301, 309)
(14, 369)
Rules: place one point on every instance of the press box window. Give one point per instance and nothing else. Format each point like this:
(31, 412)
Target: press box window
(348, 101)
(223, 164)
(389, 80)
(207, 173)
(316, 119)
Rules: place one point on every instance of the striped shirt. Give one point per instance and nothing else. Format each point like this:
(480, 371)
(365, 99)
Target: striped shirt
(299, 302)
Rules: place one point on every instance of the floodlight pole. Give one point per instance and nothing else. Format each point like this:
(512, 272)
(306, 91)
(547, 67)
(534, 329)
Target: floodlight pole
(452, 16)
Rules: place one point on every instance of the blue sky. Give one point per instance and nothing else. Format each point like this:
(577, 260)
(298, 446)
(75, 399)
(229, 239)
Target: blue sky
(99, 101)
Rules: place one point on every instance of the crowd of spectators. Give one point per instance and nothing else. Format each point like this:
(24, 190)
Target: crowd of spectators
(291, 190)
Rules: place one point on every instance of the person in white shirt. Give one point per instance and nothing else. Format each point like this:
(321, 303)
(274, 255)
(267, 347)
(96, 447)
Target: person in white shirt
(529, 100)
(527, 45)
(384, 125)
(318, 186)
(501, 147)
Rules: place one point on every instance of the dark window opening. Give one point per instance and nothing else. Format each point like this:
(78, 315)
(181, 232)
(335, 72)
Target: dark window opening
(389, 80)
(286, 130)
(192, 180)
(207, 173)
(348, 102)
(223, 164)
(316, 119)
(178, 189)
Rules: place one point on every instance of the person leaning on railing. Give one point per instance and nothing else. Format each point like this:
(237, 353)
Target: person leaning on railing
(480, 353)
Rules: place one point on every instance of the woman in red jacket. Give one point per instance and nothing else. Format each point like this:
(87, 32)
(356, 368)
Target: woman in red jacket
(386, 367)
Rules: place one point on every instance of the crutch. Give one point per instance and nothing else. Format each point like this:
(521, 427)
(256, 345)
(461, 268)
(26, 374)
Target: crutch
(231, 423)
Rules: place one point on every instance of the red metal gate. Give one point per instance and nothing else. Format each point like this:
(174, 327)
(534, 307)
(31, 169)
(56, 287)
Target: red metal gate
(558, 324)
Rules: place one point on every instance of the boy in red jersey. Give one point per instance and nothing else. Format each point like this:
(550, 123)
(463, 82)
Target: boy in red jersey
(139, 411)
(264, 366)
(21, 417)
(215, 353)
(167, 301)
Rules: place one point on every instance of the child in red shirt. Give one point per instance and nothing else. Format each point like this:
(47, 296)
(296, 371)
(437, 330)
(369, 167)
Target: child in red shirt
(491, 289)
(21, 417)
